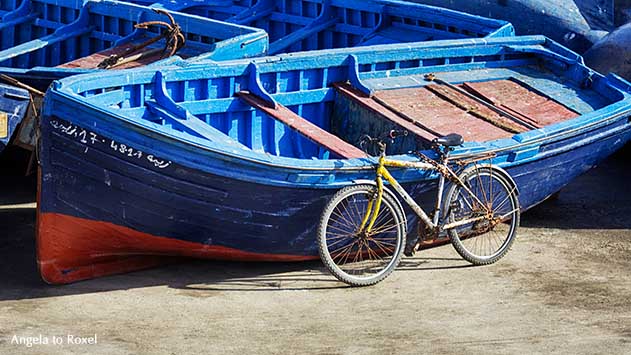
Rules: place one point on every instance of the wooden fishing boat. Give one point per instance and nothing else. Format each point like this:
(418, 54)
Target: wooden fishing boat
(303, 25)
(13, 108)
(237, 161)
(43, 40)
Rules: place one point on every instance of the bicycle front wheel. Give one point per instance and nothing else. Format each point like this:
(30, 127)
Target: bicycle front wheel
(352, 254)
(490, 202)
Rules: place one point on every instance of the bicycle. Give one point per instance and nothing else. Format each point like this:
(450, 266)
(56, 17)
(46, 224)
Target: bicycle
(362, 230)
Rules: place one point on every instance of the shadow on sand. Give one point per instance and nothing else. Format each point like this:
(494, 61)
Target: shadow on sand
(600, 199)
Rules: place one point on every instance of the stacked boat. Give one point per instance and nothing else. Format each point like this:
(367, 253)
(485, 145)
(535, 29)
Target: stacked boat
(227, 156)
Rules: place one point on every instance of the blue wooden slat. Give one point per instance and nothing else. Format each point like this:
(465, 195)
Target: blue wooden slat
(77, 28)
(314, 27)
(165, 106)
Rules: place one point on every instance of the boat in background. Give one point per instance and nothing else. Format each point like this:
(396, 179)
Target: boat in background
(304, 25)
(44, 40)
(237, 161)
(577, 24)
(14, 106)
(612, 53)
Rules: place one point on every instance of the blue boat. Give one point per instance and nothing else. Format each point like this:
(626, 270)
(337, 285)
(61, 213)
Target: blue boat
(44, 40)
(13, 108)
(303, 25)
(237, 161)
(577, 24)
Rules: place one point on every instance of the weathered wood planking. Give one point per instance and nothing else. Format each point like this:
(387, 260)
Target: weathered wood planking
(306, 128)
(92, 61)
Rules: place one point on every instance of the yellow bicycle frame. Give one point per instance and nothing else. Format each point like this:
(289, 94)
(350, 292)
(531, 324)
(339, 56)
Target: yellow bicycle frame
(382, 173)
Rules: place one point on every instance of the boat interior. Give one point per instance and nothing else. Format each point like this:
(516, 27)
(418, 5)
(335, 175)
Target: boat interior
(303, 25)
(320, 111)
(77, 34)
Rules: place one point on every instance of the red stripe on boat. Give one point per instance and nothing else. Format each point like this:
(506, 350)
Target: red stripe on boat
(71, 249)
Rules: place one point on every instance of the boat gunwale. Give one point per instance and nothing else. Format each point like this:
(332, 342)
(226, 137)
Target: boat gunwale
(492, 27)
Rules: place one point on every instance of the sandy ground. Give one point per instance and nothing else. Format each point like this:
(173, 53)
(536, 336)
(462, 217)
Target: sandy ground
(564, 288)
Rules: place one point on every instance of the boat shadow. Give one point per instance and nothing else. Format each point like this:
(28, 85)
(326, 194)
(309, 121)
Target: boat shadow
(15, 187)
(599, 199)
(196, 278)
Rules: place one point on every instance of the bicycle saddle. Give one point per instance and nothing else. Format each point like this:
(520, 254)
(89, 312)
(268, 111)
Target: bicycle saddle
(450, 140)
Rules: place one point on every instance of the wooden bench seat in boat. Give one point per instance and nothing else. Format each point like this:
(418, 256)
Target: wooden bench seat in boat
(314, 133)
(414, 127)
(93, 60)
(435, 110)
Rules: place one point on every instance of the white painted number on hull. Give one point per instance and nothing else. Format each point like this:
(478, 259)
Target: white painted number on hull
(86, 137)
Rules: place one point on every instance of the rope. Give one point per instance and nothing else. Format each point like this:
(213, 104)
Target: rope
(172, 33)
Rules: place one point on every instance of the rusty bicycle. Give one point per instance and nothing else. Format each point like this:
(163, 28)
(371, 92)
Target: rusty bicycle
(363, 228)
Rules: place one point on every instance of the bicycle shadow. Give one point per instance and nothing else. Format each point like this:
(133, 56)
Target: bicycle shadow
(418, 263)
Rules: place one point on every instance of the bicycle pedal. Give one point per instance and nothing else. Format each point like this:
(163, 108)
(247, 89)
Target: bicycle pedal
(410, 251)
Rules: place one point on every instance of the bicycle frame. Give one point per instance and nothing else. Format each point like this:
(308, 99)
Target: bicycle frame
(382, 173)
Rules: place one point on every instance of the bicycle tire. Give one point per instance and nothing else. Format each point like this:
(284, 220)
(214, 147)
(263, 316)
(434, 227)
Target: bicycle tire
(339, 226)
(488, 240)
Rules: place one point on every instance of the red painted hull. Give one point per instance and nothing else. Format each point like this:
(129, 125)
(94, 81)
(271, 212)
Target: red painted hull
(71, 249)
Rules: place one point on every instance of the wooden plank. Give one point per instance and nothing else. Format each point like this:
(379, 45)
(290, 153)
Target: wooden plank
(443, 116)
(93, 60)
(19, 21)
(39, 43)
(315, 27)
(481, 110)
(304, 127)
(195, 125)
(412, 126)
(521, 100)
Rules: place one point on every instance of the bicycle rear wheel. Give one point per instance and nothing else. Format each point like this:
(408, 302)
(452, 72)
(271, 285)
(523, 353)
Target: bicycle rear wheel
(352, 255)
(488, 238)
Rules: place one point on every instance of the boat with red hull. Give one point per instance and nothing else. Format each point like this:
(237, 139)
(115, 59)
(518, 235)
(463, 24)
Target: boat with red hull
(236, 161)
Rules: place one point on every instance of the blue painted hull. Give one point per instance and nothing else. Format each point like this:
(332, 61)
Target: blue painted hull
(577, 24)
(191, 205)
(114, 187)
(13, 108)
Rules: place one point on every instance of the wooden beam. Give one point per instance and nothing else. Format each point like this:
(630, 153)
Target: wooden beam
(311, 131)
(409, 124)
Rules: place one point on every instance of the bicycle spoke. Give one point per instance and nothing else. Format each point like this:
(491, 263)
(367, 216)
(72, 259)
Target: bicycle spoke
(484, 240)
(340, 229)
(507, 197)
(348, 222)
(344, 248)
(509, 213)
(386, 251)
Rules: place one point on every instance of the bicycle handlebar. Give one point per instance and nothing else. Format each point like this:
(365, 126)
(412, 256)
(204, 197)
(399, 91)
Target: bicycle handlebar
(367, 142)
(395, 133)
